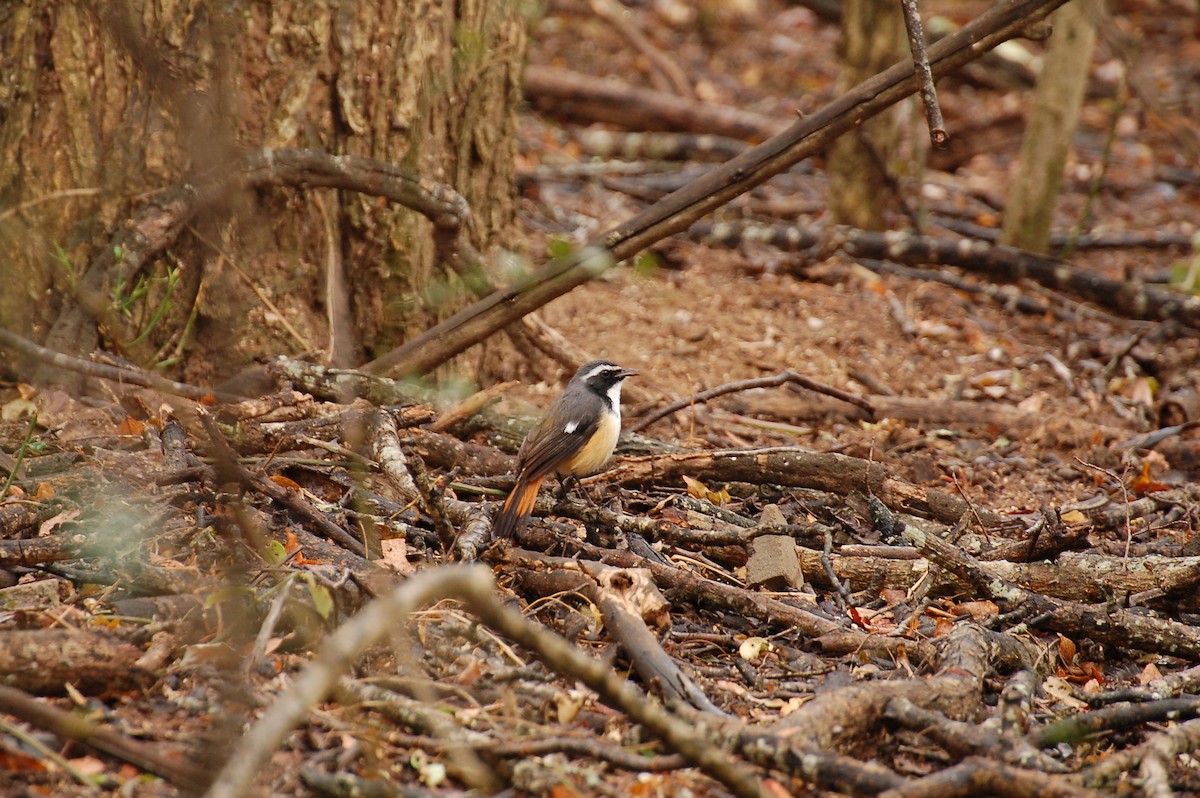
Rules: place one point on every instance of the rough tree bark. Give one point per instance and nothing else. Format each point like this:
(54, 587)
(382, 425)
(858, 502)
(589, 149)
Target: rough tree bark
(1057, 102)
(108, 104)
(859, 161)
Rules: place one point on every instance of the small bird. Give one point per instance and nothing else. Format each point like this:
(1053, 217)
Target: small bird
(575, 437)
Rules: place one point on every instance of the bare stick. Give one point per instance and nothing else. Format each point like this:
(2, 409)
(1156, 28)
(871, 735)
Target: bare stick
(11, 340)
(229, 467)
(916, 43)
(475, 587)
(781, 378)
(614, 13)
(71, 726)
(715, 188)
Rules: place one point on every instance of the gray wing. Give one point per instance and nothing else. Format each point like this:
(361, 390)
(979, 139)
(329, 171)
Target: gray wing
(548, 445)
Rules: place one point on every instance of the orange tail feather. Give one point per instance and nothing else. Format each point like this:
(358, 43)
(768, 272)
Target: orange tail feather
(516, 509)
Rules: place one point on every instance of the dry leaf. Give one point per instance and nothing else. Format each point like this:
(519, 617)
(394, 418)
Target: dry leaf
(130, 426)
(776, 789)
(568, 704)
(285, 482)
(1149, 674)
(89, 766)
(395, 555)
(753, 647)
(50, 524)
(698, 490)
(1066, 649)
(1143, 483)
(978, 610)
(11, 411)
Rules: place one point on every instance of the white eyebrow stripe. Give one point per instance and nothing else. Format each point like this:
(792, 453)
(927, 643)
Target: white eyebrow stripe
(571, 427)
(603, 367)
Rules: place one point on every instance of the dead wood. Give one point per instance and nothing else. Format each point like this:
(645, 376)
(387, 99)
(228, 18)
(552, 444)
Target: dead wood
(1131, 239)
(229, 469)
(686, 587)
(714, 189)
(793, 467)
(987, 777)
(45, 661)
(916, 43)
(568, 94)
(581, 746)
(446, 451)
(629, 602)
(1133, 299)
(70, 726)
(788, 377)
(1081, 576)
(1115, 718)
(1103, 624)
(1151, 758)
(471, 530)
(1008, 420)
(659, 146)
(475, 587)
(48, 358)
(51, 548)
(958, 738)
(848, 718)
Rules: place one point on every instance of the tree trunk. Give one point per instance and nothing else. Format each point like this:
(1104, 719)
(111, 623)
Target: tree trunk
(1057, 100)
(861, 190)
(108, 105)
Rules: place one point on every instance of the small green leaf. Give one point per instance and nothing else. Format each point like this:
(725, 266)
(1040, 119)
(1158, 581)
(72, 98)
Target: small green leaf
(275, 552)
(322, 598)
(559, 247)
(1184, 275)
(646, 264)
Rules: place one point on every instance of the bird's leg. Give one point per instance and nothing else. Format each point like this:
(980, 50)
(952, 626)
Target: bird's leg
(565, 485)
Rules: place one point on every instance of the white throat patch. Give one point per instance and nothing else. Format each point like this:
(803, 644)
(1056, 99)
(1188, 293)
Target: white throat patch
(614, 396)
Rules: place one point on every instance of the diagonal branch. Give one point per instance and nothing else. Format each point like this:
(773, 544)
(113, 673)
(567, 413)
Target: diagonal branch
(712, 190)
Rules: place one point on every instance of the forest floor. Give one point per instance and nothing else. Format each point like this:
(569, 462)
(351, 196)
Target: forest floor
(998, 572)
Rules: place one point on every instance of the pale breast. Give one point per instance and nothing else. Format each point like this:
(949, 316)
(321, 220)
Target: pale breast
(592, 457)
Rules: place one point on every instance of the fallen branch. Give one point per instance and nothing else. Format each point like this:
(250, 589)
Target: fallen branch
(714, 189)
(475, 587)
(1132, 298)
(570, 94)
(71, 726)
(782, 378)
(793, 467)
(126, 376)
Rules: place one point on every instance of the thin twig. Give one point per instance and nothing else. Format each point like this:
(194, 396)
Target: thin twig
(229, 468)
(782, 378)
(916, 43)
(474, 586)
(21, 450)
(127, 375)
(70, 726)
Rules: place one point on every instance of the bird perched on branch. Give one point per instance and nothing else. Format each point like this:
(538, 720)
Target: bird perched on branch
(575, 437)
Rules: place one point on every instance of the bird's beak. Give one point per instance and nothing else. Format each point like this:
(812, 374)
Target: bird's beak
(628, 373)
